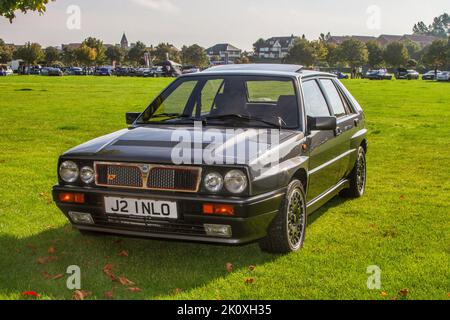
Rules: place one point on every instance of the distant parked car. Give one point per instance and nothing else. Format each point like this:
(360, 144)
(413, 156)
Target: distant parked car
(75, 71)
(6, 71)
(104, 71)
(51, 72)
(122, 71)
(340, 75)
(443, 76)
(404, 74)
(379, 75)
(190, 69)
(431, 75)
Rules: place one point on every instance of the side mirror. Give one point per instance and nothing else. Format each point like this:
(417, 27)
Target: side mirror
(131, 117)
(322, 123)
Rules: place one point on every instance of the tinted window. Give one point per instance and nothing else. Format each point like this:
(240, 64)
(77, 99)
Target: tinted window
(315, 103)
(335, 98)
(269, 91)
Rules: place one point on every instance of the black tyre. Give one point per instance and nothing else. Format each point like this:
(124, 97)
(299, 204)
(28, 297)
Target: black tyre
(358, 177)
(287, 232)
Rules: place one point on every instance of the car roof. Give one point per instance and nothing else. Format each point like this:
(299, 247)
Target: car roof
(290, 70)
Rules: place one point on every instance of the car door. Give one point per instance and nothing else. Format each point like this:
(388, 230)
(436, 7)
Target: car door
(345, 126)
(323, 169)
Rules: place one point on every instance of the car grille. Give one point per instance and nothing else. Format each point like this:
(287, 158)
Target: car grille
(145, 176)
(148, 225)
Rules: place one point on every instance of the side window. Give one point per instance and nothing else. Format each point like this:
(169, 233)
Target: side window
(315, 103)
(335, 98)
(177, 101)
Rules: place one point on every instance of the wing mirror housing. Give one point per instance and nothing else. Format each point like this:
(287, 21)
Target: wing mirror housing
(322, 123)
(131, 117)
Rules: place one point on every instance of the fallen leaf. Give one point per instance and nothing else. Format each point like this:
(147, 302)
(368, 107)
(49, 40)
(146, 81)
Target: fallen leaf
(125, 282)
(109, 294)
(177, 291)
(252, 267)
(80, 295)
(250, 281)
(45, 260)
(384, 294)
(404, 292)
(107, 269)
(123, 253)
(229, 267)
(134, 289)
(52, 277)
(32, 247)
(402, 197)
(31, 294)
(51, 250)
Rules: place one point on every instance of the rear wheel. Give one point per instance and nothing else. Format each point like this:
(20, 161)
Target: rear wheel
(287, 232)
(358, 177)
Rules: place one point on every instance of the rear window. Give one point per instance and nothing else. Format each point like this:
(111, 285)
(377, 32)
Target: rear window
(269, 91)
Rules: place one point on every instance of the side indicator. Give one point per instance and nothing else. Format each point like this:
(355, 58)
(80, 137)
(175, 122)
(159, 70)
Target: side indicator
(68, 197)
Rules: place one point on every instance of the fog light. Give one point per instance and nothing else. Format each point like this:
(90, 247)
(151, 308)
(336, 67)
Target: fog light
(218, 230)
(81, 218)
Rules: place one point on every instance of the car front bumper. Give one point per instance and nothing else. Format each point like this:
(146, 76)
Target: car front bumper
(249, 223)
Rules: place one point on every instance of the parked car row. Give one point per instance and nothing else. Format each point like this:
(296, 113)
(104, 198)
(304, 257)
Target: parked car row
(5, 71)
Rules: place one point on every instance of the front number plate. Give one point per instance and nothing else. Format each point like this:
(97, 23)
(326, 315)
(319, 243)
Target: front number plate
(141, 208)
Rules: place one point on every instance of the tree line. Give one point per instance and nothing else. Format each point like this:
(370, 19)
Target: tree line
(354, 53)
(92, 52)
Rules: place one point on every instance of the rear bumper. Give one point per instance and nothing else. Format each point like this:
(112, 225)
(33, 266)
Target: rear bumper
(249, 224)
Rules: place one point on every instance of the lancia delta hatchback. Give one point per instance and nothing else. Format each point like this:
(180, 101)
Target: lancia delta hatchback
(231, 155)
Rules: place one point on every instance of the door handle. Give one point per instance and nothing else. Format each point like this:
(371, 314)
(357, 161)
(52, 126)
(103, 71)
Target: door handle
(338, 131)
(357, 121)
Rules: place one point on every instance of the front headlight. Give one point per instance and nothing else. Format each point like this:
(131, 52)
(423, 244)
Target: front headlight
(68, 171)
(87, 175)
(213, 182)
(236, 181)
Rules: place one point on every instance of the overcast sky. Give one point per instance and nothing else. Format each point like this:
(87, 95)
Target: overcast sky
(208, 22)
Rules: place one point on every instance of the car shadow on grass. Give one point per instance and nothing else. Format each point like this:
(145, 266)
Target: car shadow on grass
(158, 268)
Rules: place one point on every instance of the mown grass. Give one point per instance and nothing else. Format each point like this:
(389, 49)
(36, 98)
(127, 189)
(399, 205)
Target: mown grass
(402, 224)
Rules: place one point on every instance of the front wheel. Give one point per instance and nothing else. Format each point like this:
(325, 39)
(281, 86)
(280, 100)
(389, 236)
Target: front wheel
(358, 177)
(287, 232)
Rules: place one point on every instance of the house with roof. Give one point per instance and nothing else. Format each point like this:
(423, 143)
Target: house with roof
(385, 39)
(276, 47)
(422, 40)
(225, 53)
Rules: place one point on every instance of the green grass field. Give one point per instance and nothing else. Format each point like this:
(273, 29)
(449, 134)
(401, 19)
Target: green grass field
(402, 224)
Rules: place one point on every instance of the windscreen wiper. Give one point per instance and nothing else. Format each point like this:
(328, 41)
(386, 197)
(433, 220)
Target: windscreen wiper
(244, 117)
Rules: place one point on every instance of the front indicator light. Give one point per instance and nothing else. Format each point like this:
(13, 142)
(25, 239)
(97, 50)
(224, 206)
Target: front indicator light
(218, 230)
(219, 209)
(68, 197)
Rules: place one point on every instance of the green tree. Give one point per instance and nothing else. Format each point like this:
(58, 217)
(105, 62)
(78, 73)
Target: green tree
(51, 55)
(332, 57)
(115, 54)
(9, 7)
(98, 46)
(353, 53)
(302, 52)
(85, 55)
(375, 58)
(260, 43)
(165, 49)
(440, 27)
(136, 54)
(194, 55)
(436, 54)
(414, 50)
(30, 53)
(396, 54)
(6, 52)
(68, 56)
